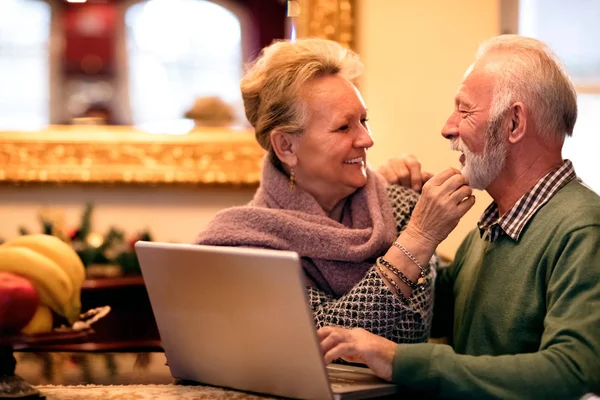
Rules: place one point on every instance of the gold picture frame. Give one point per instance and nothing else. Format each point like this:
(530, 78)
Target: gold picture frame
(124, 155)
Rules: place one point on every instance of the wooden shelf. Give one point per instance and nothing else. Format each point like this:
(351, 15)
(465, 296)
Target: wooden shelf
(112, 283)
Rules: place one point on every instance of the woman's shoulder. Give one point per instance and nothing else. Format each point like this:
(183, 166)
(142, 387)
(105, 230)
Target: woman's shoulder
(400, 195)
(403, 201)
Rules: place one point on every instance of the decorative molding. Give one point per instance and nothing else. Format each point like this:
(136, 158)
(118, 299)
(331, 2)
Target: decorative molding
(329, 19)
(87, 154)
(124, 155)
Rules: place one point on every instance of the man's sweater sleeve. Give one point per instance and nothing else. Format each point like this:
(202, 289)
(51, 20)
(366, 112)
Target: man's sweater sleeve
(567, 364)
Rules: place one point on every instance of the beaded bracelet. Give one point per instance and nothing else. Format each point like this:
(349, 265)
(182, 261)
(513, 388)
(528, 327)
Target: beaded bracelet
(398, 273)
(423, 275)
(401, 295)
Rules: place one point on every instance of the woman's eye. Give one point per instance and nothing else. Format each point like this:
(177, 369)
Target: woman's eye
(364, 121)
(343, 128)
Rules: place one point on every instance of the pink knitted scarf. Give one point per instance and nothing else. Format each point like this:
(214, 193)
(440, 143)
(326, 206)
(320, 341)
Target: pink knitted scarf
(335, 256)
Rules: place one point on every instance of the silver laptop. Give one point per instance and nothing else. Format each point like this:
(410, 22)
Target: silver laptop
(239, 318)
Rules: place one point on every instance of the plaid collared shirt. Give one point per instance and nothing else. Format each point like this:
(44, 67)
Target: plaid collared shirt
(491, 225)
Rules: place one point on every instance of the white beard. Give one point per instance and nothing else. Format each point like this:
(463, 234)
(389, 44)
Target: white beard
(481, 169)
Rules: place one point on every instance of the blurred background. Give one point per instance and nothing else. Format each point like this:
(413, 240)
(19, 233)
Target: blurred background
(169, 65)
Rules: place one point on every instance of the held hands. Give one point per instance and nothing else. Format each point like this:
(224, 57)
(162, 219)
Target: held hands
(445, 198)
(405, 170)
(358, 346)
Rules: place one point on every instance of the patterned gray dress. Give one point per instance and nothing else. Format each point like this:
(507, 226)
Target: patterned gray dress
(371, 305)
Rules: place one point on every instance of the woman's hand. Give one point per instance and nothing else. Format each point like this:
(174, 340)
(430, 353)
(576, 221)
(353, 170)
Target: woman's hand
(445, 198)
(405, 170)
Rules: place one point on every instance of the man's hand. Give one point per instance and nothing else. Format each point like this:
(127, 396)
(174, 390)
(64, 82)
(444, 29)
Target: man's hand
(358, 346)
(405, 170)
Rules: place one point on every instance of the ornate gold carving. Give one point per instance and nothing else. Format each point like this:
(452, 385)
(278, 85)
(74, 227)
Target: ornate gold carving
(121, 155)
(330, 19)
(221, 156)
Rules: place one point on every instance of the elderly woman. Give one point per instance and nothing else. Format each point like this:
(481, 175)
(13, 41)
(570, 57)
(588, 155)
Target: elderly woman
(366, 264)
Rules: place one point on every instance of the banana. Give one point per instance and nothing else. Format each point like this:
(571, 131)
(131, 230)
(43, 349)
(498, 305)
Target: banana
(64, 256)
(52, 283)
(41, 321)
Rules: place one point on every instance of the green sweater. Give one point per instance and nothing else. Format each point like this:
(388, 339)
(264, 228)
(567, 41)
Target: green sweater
(525, 315)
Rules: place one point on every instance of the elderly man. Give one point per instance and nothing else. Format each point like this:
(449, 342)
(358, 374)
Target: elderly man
(521, 301)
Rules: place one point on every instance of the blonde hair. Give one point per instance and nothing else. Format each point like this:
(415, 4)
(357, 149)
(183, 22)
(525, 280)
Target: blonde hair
(532, 73)
(271, 85)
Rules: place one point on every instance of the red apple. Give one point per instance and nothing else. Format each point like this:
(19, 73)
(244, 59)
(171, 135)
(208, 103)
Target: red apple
(18, 301)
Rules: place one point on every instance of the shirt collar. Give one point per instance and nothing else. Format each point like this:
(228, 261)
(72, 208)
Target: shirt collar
(491, 225)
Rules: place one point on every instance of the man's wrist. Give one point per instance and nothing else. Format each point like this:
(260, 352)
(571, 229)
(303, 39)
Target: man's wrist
(386, 359)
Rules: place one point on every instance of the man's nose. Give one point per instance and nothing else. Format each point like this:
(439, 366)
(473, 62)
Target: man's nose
(450, 128)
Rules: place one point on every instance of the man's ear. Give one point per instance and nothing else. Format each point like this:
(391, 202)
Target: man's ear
(517, 120)
(284, 145)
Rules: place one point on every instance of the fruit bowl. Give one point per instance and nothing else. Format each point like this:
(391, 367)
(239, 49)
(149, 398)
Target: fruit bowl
(11, 385)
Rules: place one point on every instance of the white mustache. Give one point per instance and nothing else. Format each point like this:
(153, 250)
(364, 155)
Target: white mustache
(458, 145)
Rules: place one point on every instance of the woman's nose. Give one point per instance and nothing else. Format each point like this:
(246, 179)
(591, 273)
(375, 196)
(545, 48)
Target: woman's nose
(364, 138)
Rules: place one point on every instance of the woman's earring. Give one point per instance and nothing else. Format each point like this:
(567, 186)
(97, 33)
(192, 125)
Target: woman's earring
(292, 183)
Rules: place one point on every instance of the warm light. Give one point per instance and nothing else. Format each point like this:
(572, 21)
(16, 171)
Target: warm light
(186, 49)
(94, 239)
(293, 11)
(76, 1)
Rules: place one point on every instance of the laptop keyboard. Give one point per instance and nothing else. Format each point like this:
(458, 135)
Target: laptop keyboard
(342, 377)
(345, 380)
(338, 381)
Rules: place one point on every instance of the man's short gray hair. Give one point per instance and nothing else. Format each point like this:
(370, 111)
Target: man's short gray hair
(271, 86)
(531, 73)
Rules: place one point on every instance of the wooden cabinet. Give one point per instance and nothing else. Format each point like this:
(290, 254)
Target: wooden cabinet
(130, 325)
